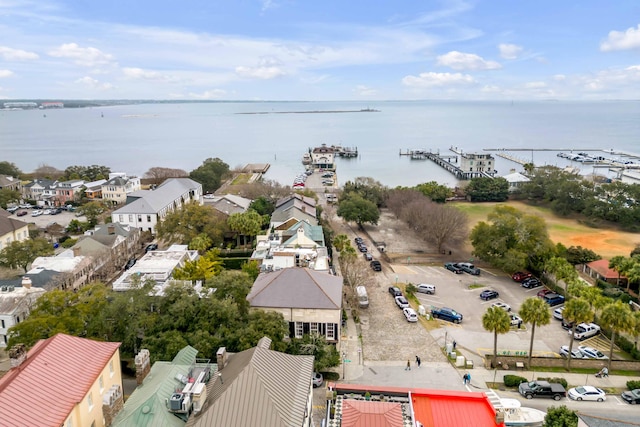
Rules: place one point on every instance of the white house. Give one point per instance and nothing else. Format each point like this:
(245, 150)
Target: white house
(145, 208)
(119, 185)
(15, 306)
(516, 180)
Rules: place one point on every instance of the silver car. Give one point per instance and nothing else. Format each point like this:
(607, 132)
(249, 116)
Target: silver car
(575, 353)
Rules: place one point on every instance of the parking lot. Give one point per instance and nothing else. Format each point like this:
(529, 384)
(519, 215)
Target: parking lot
(42, 221)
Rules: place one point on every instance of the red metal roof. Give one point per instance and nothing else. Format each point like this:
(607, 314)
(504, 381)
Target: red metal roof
(601, 266)
(361, 413)
(55, 376)
(437, 408)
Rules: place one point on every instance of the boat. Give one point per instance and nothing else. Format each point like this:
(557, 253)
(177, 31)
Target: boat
(516, 415)
(306, 159)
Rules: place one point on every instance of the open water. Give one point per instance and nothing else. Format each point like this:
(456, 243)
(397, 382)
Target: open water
(134, 138)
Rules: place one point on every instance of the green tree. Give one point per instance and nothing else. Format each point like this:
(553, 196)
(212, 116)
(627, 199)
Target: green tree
(578, 255)
(325, 355)
(620, 265)
(496, 320)
(367, 188)
(536, 312)
(434, 191)
(563, 272)
(203, 268)
(341, 241)
(92, 211)
(357, 209)
(201, 243)
(183, 225)
(577, 311)
(560, 417)
(247, 223)
(263, 205)
(252, 268)
(618, 318)
(19, 254)
(485, 189)
(8, 196)
(210, 174)
(10, 169)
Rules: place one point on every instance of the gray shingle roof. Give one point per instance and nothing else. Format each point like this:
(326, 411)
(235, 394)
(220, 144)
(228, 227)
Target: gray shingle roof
(153, 201)
(296, 287)
(258, 387)
(592, 421)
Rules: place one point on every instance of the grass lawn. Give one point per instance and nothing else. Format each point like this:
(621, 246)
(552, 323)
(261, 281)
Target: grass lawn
(568, 231)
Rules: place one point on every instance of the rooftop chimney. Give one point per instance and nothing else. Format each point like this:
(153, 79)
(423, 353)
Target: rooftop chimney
(221, 357)
(111, 229)
(26, 282)
(17, 355)
(76, 251)
(143, 365)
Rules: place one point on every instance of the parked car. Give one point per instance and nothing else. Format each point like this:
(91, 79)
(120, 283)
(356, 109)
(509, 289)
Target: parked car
(426, 288)
(410, 314)
(632, 396)
(468, 268)
(21, 213)
(541, 293)
(585, 330)
(362, 248)
(453, 267)
(587, 392)
(358, 240)
(446, 313)
(531, 282)
(401, 302)
(317, 379)
(395, 291)
(553, 299)
(515, 319)
(151, 247)
(575, 353)
(502, 305)
(46, 212)
(12, 209)
(368, 256)
(375, 265)
(591, 353)
(557, 313)
(36, 213)
(130, 263)
(488, 294)
(25, 206)
(519, 276)
(566, 324)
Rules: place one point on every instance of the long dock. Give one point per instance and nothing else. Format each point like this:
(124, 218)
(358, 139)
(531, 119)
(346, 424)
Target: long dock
(444, 162)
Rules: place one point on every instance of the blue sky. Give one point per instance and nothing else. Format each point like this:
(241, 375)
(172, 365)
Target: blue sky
(320, 50)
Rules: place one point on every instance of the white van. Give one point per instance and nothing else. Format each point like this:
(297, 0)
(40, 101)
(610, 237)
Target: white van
(363, 298)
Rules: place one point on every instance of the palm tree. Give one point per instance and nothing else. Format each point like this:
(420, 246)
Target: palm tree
(576, 310)
(496, 320)
(636, 327)
(617, 317)
(633, 272)
(619, 265)
(563, 271)
(535, 311)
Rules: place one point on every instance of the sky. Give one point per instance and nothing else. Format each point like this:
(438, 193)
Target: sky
(320, 50)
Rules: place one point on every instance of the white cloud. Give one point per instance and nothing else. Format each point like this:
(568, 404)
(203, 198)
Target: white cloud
(617, 40)
(559, 77)
(140, 74)
(535, 85)
(9, 54)
(85, 56)
(93, 83)
(268, 4)
(5, 73)
(509, 51)
(466, 61)
(209, 94)
(362, 90)
(260, 72)
(431, 79)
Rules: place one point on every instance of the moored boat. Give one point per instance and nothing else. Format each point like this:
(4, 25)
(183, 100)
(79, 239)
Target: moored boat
(516, 415)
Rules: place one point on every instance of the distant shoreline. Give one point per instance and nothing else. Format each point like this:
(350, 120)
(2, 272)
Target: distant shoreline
(365, 110)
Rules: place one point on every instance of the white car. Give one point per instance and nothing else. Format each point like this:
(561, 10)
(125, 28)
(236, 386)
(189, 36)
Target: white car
(515, 319)
(591, 353)
(587, 392)
(586, 330)
(557, 313)
(575, 353)
(502, 305)
(410, 314)
(402, 302)
(426, 289)
(47, 212)
(36, 213)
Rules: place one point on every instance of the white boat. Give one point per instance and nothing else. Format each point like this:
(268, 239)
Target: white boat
(306, 159)
(517, 416)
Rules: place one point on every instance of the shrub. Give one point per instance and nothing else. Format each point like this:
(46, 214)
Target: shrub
(513, 380)
(633, 384)
(68, 243)
(410, 290)
(555, 380)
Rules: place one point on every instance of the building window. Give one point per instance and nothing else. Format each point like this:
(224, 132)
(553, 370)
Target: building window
(139, 218)
(299, 330)
(121, 218)
(148, 218)
(111, 371)
(331, 333)
(101, 383)
(313, 327)
(2, 323)
(90, 401)
(130, 218)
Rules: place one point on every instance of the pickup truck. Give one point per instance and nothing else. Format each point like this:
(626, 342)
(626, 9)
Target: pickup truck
(446, 314)
(542, 389)
(585, 330)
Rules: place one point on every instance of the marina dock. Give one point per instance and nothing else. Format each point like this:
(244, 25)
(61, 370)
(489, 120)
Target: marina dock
(448, 163)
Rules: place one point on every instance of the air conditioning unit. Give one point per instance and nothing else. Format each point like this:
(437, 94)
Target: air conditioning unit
(175, 402)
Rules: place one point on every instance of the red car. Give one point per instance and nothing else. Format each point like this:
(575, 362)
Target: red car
(21, 213)
(519, 276)
(544, 292)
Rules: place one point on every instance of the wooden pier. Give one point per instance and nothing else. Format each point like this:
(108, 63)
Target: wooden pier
(448, 163)
(348, 152)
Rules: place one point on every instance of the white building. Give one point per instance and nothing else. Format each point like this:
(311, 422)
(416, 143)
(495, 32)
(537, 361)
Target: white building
(119, 185)
(77, 270)
(515, 180)
(15, 306)
(145, 208)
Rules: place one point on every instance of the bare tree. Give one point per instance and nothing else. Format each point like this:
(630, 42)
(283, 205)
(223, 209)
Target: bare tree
(158, 174)
(47, 171)
(354, 270)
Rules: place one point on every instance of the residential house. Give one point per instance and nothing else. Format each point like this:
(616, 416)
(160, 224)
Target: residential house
(15, 305)
(258, 387)
(516, 180)
(76, 270)
(477, 165)
(11, 229)
(157, 266)
(599, 269)
(145, 208)
(38, 189)
(411, 406)
(40, 278)
(93, 189)
(119, 185)
(323, 157)
(228, 203)
(63, 381)
(10, 183)
(310, 301)
(147, 405)
(67, 191)
(301, 245)
(292, 209)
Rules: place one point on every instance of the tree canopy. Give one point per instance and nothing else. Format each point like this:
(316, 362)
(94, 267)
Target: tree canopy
(10, 169)
(87, 173)
(19, 254)
(353, 207)
(560, 417)
(157, 175)
(485, 189)
(436, 192)
(184, 225)
(8, 196)
(210, 174)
